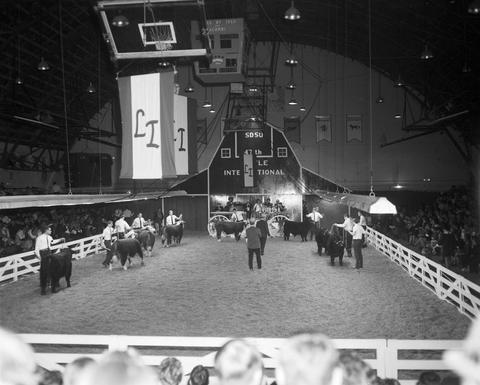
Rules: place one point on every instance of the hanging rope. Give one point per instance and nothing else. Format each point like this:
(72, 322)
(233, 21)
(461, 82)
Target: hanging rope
(98, 114)
(64, 98)
(370, 104)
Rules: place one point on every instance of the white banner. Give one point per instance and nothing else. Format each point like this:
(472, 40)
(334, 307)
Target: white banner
(146, 105)
(180, 133)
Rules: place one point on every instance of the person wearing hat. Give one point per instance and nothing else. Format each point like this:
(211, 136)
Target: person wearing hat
(466, 361)
(253, 235)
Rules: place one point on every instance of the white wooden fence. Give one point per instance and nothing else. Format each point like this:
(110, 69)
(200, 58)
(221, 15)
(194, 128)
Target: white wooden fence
(446, 284)
(14, 266)
(382, 355)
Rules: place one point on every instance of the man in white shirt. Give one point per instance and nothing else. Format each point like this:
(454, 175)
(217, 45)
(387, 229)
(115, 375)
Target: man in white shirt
(42, 250)
(172, 219)
(315, 217)
(347, 226)
(121, 227)
(138, 222)
(107, 243)
(236, 216)
(357, 235)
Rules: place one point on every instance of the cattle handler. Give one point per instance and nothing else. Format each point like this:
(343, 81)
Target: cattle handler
(43, 252)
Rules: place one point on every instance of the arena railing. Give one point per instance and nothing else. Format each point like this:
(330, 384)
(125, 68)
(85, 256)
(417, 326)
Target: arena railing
(390, 358)
(446, 284)
(14, 266)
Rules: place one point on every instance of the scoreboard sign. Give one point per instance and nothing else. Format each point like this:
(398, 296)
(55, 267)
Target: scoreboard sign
(255, 162)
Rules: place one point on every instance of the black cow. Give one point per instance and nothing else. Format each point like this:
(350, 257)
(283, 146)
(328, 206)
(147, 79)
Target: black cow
(335, 246)
(321, 237)
(296, 228)
(229, 228)
(59, 265)
(127, 248)
(172, 231)
(147, 240)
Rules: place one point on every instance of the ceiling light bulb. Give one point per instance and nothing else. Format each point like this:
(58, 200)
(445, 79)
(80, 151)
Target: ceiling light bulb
(292, 13)
(291, 61)
(303, 108)
(120, 21)
(379, 100)
(91, 89)
(427, 53)
(474, 7)
(18, 81)
(292, 102)
(206, 104)
(43, 65)
(189, 88)
(397, 116)
(212, 110)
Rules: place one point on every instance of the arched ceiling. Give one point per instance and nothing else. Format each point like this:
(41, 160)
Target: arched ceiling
(399, 30)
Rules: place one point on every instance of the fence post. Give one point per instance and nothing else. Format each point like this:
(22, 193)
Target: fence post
(15, 269)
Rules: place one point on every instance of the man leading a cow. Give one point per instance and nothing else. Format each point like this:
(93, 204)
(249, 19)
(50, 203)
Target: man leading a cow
(43, 252)
(172, 219)
(107, 243)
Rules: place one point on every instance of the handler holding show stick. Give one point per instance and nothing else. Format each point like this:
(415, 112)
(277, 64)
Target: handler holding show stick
(107, 243)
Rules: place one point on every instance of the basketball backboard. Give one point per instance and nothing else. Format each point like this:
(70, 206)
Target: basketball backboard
(138, 29)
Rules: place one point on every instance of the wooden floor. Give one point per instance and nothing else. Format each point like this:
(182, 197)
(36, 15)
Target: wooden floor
(204, 288)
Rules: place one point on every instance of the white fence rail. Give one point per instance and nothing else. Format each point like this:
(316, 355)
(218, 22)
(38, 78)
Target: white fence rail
(14, 266)
(446, 284)
(382, 355)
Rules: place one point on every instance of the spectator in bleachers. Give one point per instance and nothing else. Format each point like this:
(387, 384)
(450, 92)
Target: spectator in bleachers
(308, 359)
(466, 361)
(355, 370)
(429, 378)
(239, 363)
(49, 377)
(119, 368)
(76, 369)
(170, 371)
(199, 376)
(17, 362)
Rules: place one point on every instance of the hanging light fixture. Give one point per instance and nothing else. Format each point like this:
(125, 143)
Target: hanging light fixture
(474, 7)
(18, 81)
(206, 103)
(291, 85)
(291, 60)
(212, 110)
(120, 21)
(292, 13)
(466, 68)
(292, 101)
(91, 89)
(399, 82)
(252, 88)
(302, 107)
(379, 99)
(43, 65)
(189, 88)
(427, 53)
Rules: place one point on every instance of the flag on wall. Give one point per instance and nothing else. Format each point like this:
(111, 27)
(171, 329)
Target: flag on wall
(324, 128)
(180, 133)
(353, 124)
(146, 103)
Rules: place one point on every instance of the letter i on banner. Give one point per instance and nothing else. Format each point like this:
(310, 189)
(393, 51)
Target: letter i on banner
(180, 133)
(248, 168)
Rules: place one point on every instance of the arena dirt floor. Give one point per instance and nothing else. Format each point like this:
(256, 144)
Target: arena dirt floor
(204, 288)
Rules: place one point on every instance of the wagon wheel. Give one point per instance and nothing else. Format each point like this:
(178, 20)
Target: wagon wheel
(211, 224)
(275, 225)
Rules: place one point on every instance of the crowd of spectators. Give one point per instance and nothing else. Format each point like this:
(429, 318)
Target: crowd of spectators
(445, 231)
(304, 359)
(19, 229)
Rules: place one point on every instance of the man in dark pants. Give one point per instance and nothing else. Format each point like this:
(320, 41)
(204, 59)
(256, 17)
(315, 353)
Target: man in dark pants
(253, 244)
(347, 226)
(107, 243)
(263, 226)
(42, 250)
(357, 235)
